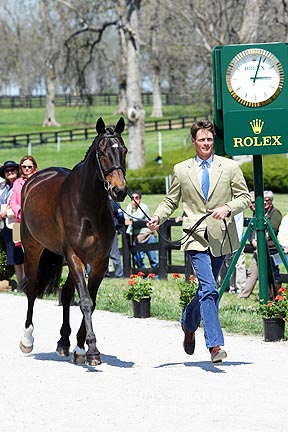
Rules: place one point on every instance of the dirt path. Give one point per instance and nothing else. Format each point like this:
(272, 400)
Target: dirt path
(146, 381)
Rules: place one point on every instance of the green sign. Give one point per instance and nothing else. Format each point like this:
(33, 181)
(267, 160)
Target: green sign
(250, 99)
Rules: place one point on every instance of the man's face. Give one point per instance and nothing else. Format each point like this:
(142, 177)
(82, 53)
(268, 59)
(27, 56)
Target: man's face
(137, 198)
(252, 204)
(204, 143)
(267, 203)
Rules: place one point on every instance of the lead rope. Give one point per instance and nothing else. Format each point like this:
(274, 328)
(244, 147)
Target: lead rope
(178, 242)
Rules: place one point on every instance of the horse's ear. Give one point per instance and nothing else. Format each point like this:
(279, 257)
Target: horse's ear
(100, 126)
(120, 126)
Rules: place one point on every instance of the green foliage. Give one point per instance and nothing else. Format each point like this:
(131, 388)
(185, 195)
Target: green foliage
(275, 173)
(187, 290)
(6, 271)
(278, 308)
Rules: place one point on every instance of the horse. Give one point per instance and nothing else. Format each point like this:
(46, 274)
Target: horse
(66, 214)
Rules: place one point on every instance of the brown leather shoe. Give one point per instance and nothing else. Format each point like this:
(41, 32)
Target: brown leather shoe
(217, 354)
(189, 341)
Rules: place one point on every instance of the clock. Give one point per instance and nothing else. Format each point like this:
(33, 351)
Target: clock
(255, 77)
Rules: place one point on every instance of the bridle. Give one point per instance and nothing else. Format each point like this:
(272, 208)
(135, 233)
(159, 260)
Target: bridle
(104, 173)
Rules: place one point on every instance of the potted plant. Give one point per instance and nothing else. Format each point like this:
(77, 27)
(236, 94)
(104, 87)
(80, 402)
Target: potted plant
(139, 291)
(274, 314)
(187, 290)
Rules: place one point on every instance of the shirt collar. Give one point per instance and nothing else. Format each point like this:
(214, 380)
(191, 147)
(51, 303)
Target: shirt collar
(199, 160)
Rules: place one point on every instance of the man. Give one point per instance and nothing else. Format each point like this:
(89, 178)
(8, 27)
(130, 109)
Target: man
(141, 235)
(274, 216)
(115, 256)
(252, 272)
(206, 184)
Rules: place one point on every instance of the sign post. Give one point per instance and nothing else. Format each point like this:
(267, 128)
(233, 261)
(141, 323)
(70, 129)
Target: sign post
(250, 117)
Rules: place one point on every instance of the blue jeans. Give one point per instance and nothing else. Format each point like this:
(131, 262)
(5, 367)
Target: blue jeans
(204, 305)
(152, 255)
(116, 258)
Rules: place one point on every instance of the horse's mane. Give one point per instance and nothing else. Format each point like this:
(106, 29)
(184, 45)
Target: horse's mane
(88, 151)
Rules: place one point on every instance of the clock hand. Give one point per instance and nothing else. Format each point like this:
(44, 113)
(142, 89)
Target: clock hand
(260, 77)
(254, 79)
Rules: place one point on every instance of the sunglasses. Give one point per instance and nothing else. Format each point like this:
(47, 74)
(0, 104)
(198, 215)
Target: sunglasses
(27, 166)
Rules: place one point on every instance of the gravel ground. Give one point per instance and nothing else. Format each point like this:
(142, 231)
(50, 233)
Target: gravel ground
(145, 383)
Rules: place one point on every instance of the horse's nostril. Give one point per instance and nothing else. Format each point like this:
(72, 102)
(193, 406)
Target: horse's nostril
(119, 194)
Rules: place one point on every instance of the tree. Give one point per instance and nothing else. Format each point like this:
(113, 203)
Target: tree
(156, 67)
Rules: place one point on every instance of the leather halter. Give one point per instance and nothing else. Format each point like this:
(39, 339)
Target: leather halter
(104, 173)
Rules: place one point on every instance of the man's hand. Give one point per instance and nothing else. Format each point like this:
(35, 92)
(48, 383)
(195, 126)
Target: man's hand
(220, 212)
(153, 223)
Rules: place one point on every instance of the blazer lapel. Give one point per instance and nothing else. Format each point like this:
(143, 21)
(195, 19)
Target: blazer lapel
(215, 174)
(193, 176)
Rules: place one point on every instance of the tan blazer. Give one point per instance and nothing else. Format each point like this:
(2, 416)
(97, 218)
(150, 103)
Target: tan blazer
(227, 186)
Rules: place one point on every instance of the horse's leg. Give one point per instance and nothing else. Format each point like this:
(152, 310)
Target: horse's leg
(87, 306)
(86, 333)
(67, 294)
(27, 340)
(33, 253)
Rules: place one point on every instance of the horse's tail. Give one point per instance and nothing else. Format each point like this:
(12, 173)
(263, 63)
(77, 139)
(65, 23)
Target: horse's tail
(49, 273)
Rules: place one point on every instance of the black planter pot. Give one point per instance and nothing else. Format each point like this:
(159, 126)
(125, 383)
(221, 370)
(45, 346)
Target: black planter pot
(141, 309)
(273, 329)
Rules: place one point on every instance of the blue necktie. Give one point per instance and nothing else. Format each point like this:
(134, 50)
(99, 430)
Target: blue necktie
(205, 183)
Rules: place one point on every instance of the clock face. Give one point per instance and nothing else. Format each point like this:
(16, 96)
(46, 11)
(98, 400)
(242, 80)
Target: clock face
(255, 77)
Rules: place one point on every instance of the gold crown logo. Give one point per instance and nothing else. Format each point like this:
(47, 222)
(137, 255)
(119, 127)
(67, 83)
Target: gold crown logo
(257, 126)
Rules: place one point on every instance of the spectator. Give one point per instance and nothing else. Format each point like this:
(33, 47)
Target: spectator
(115, 253)
(274, 216)
(238, 278)
(205, 184)
(140, 235)
(28, 167)
(283, 233)
(10, 172)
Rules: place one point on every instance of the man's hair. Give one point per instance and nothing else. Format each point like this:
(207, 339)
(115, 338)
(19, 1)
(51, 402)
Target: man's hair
(201, 124)
(268, 194)
(136, 192)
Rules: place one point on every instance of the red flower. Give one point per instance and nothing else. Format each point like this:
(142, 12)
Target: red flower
(131, 282)
(192, 278)
(133, 276)
(151, 275)
(141, 274)
(176, 276)
(269, 304)
(279, 298)
(281, 290)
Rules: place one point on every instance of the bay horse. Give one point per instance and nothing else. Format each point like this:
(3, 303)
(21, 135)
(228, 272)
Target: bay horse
(66, 214)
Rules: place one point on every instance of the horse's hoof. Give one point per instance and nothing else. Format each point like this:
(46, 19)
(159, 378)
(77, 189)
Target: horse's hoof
(78, 358)
(62, 351)
(94, 360)
(25, 349)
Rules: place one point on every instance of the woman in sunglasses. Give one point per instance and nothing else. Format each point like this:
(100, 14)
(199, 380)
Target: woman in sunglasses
(28, 166)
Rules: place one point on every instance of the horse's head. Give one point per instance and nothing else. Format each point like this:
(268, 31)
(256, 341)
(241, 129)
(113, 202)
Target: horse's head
(110, 155)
